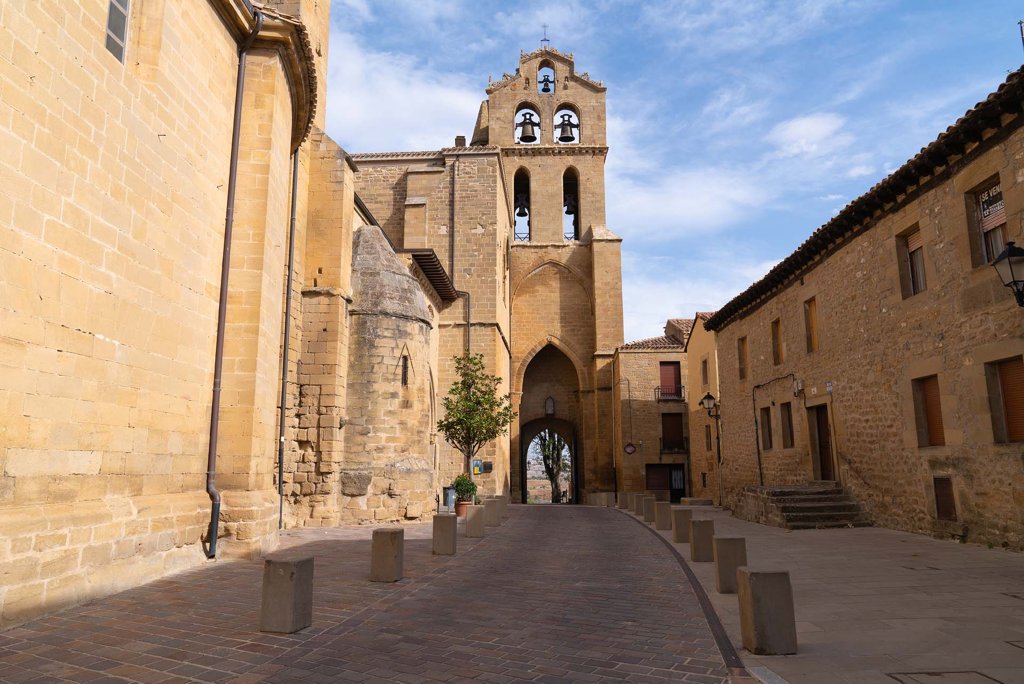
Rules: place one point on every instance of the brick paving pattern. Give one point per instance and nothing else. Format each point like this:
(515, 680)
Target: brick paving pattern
(557, 594)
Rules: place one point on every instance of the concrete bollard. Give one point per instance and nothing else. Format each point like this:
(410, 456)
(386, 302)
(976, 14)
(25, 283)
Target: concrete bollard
(767, 620)
(623, 502)
(445, 527)
(681, 524)
(663, 515)
(503, 506)
(287, 604)
(730, 555)
(475, 522)
(492, 512)
(649, 502)
(387, 555)
(701, 534)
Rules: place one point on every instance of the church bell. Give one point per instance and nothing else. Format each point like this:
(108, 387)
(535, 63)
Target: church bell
(529, 127)
(521, 205)
(565, 127)
(546, 83)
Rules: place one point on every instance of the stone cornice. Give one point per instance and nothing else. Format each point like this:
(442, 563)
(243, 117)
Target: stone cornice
(554, 150)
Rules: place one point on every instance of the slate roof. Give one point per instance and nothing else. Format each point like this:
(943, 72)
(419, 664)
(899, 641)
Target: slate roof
(955, 147)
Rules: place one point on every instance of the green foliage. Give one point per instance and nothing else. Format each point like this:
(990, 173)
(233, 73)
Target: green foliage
(465, 488)
(474, 413)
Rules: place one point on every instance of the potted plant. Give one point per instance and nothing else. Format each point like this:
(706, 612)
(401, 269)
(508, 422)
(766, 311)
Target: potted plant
(465, 490)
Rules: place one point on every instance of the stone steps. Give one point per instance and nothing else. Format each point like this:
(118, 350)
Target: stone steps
(814, 505)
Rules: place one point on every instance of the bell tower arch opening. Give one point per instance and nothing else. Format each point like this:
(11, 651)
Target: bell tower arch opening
(571, 204)
(546, 77)
(527, 126)
(567, 125)
(550, 406)
(521, 187)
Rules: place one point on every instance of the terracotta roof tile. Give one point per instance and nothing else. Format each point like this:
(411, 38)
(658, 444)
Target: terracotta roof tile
(663, 342)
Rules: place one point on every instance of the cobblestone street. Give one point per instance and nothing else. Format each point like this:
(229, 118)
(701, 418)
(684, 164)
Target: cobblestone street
(557, 593)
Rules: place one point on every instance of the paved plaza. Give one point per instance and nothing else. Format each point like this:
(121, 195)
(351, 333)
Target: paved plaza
(556, 594)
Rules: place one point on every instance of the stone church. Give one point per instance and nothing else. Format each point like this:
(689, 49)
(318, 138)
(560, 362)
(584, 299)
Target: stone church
(215, 322)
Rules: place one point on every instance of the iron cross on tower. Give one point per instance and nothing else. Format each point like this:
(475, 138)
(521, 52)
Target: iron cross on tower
(544, 41)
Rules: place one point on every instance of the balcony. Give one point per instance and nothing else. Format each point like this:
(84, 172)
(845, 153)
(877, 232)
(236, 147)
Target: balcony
(674, 446)
(669, 393)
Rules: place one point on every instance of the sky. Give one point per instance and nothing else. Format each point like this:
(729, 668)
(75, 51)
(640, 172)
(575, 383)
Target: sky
(735, 127)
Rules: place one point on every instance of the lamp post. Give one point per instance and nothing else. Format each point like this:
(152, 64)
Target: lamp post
(711, 405)
(1010, 267)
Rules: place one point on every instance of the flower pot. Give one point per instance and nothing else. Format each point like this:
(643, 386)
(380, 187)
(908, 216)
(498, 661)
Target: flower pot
(460, 508)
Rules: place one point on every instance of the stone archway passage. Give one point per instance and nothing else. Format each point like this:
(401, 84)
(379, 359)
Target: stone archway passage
(530, 431)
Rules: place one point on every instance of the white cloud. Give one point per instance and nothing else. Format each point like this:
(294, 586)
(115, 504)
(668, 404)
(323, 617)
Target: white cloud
(814, 135)
(348, 10)
(860, 170)
(379, 101)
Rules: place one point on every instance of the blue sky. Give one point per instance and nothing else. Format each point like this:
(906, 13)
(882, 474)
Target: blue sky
(736, 128)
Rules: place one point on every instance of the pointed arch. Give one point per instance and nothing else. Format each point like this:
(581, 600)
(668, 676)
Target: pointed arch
(582, 376)
(567, 122)
(573, 273)
(571, 203)
(527, 125)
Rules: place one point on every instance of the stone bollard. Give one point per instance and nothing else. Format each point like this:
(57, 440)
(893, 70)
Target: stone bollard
(636, 503)
(681, 524)
(701, 534)
(649, 502)
(730, 554)
(503, 506)
(445, 527)
(287, 604)
(767, 620)
(492, 512)
(623, 502)
(387, 555)
(663, 515)
(475, 521)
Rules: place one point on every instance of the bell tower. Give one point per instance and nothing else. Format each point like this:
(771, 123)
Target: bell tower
(565, 265)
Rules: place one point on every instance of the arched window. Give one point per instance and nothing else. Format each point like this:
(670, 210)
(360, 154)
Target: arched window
(522, 202)
(571, 202)
(567, 125)
(546, 78)
(527, 122)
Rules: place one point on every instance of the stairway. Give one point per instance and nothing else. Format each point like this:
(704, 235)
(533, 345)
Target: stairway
(815, 505)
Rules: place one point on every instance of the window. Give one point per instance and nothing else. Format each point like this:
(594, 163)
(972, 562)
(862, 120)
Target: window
(571, 202)
(707, 438)
(991, 217)
(704, 372)
(673, 437)
(945, 502)
(928, 412)
(811, 324)
(117, 28)
(405, 371)
(522, 213)
(786, 415)
(670, 377)
(741, 357)
(1006, 399)
(778, 349)
(910, 252)
(766, 428)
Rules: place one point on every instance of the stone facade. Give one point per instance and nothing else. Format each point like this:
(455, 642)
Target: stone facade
(702, 373)
(651, 414)
(936, 465)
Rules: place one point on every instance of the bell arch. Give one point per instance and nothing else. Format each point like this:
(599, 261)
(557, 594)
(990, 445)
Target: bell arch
(528, 128)
(546, 77)
(521, 188)
(550, 398)
(567, 124)
(571, 203)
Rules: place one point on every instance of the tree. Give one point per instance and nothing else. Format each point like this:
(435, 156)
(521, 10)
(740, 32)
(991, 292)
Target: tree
(474, 413)
(554, 454)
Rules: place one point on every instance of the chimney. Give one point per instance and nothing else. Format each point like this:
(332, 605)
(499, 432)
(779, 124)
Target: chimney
(460, 141)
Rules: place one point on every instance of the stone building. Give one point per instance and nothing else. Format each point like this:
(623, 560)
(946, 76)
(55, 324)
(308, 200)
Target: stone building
(885, 353)
(651, 394)
(518, 217)
(206, 333)
(702, 372)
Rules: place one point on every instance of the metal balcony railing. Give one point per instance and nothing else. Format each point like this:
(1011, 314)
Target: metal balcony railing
(669, 393)
(674, 446)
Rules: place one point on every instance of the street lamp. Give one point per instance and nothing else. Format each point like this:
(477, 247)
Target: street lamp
(711, 405)
(1010, 267)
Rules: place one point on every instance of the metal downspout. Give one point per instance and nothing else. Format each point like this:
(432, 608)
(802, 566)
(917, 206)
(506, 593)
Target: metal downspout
(287, 339)
(222, 303)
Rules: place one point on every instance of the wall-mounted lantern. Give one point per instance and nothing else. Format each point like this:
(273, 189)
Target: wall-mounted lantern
(1010, 267)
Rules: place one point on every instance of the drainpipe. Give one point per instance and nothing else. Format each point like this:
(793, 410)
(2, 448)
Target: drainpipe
(222, 303)
(287, 338)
